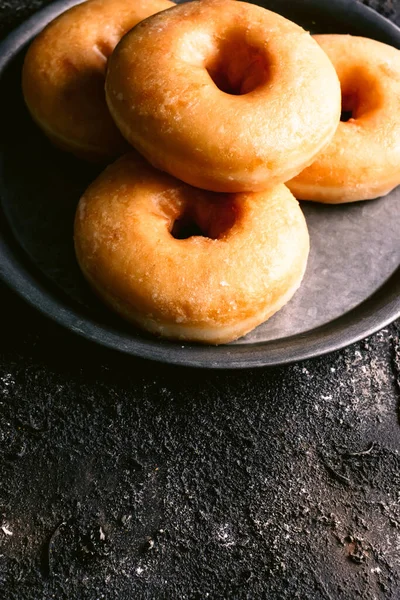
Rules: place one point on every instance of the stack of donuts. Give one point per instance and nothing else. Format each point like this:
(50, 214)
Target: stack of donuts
(222, 113)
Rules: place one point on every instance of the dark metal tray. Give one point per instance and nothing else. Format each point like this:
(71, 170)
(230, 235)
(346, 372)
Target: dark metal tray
(352, 285)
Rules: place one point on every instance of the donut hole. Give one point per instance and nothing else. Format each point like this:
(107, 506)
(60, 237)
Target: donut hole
(349, 106)
(185, 227)
(237, 68)
(346, 115)
(212, 220)
(362, 94)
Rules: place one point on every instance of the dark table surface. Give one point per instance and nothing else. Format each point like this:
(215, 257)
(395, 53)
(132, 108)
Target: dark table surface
(125, 479)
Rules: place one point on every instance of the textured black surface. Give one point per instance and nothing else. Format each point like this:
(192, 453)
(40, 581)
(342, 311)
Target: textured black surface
(123, 479)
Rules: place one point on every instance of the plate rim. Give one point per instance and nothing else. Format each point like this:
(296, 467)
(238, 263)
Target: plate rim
(374, 313)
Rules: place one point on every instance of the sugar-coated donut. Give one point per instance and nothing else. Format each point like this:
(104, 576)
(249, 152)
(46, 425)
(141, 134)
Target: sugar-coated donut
(363, 160)
(64, 72)
(231, 98)
(241, 258)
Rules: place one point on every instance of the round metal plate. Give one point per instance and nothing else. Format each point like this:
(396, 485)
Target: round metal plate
(352, 285)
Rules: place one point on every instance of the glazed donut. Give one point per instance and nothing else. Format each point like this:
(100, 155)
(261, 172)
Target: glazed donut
(363, 160)
(64, 72)
(231, 98)
(186, 263)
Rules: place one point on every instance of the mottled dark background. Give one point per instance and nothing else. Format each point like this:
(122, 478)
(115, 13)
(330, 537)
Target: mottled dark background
(125, 479)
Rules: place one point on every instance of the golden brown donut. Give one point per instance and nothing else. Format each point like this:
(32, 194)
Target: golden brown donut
(64, 72)
(242, 259)
(363, 160)
(231, 98)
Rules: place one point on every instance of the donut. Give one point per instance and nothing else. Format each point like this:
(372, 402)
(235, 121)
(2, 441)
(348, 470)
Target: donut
(231, 98)
(362, 161)
(64, 72)
(185, 263)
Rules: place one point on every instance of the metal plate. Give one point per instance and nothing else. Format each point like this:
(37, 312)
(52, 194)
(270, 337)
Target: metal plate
(352, 285)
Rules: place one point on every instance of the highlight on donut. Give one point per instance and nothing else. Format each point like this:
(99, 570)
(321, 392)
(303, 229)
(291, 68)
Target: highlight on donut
(64, 73)
(185, 263)
(362, 162)
(226, 96)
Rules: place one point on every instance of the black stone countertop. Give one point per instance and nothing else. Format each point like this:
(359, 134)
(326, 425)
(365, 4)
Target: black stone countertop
(125, 479)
